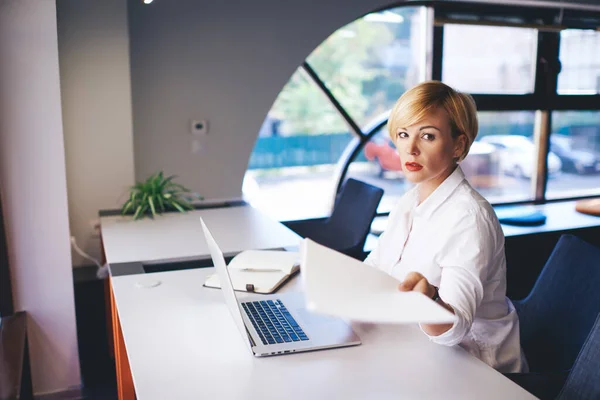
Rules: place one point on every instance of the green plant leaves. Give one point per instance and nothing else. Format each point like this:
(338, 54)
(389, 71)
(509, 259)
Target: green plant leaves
(156, 195)
(151, 203)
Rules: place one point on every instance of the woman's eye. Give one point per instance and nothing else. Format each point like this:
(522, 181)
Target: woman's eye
(402, 135)
(428, 136)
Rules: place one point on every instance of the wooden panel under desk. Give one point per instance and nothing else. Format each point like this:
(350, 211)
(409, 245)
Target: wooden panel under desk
(125, 387)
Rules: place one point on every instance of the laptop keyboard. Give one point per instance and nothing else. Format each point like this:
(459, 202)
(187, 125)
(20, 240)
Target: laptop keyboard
(273, 322)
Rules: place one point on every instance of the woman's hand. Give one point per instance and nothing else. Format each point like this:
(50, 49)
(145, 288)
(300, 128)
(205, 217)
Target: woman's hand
(415, 282)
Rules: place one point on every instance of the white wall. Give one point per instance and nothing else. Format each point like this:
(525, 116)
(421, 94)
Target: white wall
(96, 99)
(34, 193)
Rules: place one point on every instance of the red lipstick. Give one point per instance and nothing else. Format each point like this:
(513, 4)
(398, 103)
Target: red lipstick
(413, 166)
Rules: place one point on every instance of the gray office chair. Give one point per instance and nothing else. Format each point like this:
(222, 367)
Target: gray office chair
(557, 316)
(583, 382)
(347, 228)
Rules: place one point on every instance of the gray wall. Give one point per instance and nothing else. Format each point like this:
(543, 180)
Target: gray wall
(96, 106)
(221, 60)
(34, 192)
(225, 61)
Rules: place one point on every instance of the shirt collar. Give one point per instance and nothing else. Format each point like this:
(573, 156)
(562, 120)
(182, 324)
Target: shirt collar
(440, 194)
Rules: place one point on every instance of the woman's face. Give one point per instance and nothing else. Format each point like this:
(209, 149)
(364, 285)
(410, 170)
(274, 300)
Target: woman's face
(427, 149)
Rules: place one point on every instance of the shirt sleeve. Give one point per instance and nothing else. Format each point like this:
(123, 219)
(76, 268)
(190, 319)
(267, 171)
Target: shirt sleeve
(464, 260)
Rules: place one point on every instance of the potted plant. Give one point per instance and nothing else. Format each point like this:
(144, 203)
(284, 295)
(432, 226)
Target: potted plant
(156, 195)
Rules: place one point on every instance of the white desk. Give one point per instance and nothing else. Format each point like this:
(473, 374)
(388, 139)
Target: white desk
(178, 236)
(130, 245)
(182, 344)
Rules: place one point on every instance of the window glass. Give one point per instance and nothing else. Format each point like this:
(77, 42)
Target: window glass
(370, 62)
(580, 62)
(502, 159)
(291, 171)
(575, 140)
(489, 59)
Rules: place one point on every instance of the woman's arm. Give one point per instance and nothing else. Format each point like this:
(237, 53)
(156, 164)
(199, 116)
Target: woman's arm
(464, 259)
(416, 282)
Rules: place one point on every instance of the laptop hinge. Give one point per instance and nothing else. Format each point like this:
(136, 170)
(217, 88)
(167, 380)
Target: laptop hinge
(252, 343)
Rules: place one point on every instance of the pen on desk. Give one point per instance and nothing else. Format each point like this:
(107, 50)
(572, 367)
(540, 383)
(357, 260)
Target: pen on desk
(260, 270)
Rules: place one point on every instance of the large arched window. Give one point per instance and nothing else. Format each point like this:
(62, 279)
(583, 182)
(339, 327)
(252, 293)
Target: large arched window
(326, 111)
(292, 168)
(539, 136)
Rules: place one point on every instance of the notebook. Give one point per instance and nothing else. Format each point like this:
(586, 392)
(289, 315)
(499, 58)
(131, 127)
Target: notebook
(259, 271)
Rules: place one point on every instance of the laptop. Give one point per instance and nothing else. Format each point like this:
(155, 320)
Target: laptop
(278, 323)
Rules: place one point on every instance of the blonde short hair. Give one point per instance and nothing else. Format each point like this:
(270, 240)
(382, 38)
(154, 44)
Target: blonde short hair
(414, 105)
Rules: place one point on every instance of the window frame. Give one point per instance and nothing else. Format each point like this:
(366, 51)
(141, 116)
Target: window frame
(545, 99)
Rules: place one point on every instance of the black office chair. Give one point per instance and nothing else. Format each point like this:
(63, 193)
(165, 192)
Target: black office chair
(347, 228)
(557, 316)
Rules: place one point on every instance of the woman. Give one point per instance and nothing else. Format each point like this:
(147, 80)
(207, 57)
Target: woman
(443, 238)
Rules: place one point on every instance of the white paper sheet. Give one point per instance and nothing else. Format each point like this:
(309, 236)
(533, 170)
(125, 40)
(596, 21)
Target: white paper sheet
(342, 286)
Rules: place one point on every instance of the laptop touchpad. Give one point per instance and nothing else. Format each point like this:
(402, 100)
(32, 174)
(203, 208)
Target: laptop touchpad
(314, 318)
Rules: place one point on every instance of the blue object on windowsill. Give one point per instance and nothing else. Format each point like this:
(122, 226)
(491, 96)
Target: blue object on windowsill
(521, 216)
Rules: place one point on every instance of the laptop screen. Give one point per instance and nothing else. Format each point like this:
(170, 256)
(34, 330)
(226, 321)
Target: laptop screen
(226, 286)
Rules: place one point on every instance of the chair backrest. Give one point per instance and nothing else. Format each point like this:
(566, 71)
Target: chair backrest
(583, 382)
(556, 317)
(353, 213)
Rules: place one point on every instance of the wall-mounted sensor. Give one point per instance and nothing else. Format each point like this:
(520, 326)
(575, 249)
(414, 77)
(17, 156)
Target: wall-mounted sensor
(199, 127)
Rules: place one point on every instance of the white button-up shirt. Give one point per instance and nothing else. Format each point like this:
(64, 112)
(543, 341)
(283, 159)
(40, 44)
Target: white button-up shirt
(455, 240)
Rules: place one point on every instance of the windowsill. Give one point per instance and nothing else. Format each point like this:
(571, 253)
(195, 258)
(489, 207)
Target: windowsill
(561, 216)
